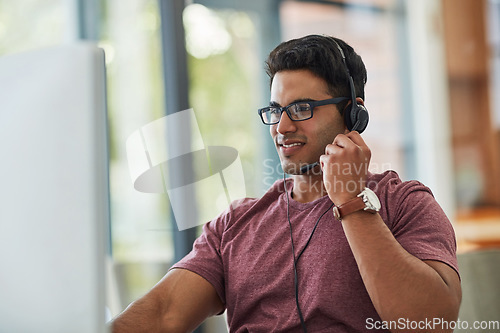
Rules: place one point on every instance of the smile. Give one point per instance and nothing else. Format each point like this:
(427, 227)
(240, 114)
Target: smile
(292, 145)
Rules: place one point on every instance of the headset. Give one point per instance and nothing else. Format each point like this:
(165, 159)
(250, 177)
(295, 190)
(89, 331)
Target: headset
(355, 115)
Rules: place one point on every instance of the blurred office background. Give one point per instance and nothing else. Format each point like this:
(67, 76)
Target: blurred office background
(433, 94)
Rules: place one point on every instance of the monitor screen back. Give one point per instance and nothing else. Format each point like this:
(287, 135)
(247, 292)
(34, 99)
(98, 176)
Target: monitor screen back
(54, 190)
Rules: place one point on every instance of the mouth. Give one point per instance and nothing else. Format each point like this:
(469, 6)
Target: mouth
(292, 144)
(289, 147)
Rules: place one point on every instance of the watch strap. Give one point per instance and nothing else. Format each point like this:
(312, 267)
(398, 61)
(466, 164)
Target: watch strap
(348, 207)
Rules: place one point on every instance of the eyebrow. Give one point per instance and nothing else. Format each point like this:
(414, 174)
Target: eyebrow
(298, 100)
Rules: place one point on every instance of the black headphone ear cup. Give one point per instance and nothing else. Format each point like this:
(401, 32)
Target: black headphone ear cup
(356, 117)
(362, 118)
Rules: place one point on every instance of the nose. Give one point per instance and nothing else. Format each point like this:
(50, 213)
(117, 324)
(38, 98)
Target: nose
(286, 125)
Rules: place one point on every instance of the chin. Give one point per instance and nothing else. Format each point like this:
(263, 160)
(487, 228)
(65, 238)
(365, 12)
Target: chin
(291, 168)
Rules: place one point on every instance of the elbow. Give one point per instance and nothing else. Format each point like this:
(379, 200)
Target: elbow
(446, 317)
(173, 327)
(436, 316)
(446, 312)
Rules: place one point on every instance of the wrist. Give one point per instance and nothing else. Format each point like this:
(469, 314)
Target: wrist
(341, 190)
(366, 201)
(339, 200)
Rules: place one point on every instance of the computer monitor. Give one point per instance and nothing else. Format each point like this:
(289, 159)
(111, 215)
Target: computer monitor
(53, 190)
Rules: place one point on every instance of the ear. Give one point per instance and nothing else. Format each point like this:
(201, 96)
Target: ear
(360, 101)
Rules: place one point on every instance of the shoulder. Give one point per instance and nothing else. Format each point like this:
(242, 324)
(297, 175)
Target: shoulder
(271, 195)
(247, 207)
(402, 200)
(389, 185)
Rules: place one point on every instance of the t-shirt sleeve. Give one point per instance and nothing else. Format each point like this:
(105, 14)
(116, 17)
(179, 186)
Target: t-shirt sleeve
(420, 225)
(205, 257)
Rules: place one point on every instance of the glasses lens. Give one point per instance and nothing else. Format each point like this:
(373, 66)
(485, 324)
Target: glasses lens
(271, 115)
(300, 111)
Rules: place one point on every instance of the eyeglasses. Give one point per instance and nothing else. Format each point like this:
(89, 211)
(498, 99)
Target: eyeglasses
(296, 111)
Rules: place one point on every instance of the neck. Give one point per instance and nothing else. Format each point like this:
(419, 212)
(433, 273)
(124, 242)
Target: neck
(307, 188)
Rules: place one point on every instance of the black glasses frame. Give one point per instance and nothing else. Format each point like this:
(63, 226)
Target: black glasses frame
(312, 105)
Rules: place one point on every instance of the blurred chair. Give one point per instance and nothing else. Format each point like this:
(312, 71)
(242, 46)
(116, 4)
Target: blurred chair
(480, 274)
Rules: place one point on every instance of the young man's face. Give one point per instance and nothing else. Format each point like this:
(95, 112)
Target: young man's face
(302, 142)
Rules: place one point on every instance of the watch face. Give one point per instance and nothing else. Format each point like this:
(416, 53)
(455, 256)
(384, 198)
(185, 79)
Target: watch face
(371, 200)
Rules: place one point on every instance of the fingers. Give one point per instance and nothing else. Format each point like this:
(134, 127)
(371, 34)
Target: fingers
(356, 138)
(346, 148)
(345, 166)
(351, 140)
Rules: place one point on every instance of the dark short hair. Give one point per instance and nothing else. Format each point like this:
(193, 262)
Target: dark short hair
(320, 55)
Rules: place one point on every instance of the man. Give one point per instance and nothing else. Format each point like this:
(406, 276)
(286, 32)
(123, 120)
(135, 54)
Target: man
(308, 256)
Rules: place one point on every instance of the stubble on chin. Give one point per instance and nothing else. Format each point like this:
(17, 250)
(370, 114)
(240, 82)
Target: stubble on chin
(289, 167)
(292, 168)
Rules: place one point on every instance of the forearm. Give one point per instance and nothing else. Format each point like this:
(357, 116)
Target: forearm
(143, 315)
(399, 284)
(178, 303)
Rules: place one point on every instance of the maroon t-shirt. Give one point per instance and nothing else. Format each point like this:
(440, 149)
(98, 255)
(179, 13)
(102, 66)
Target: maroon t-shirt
(245, 253)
